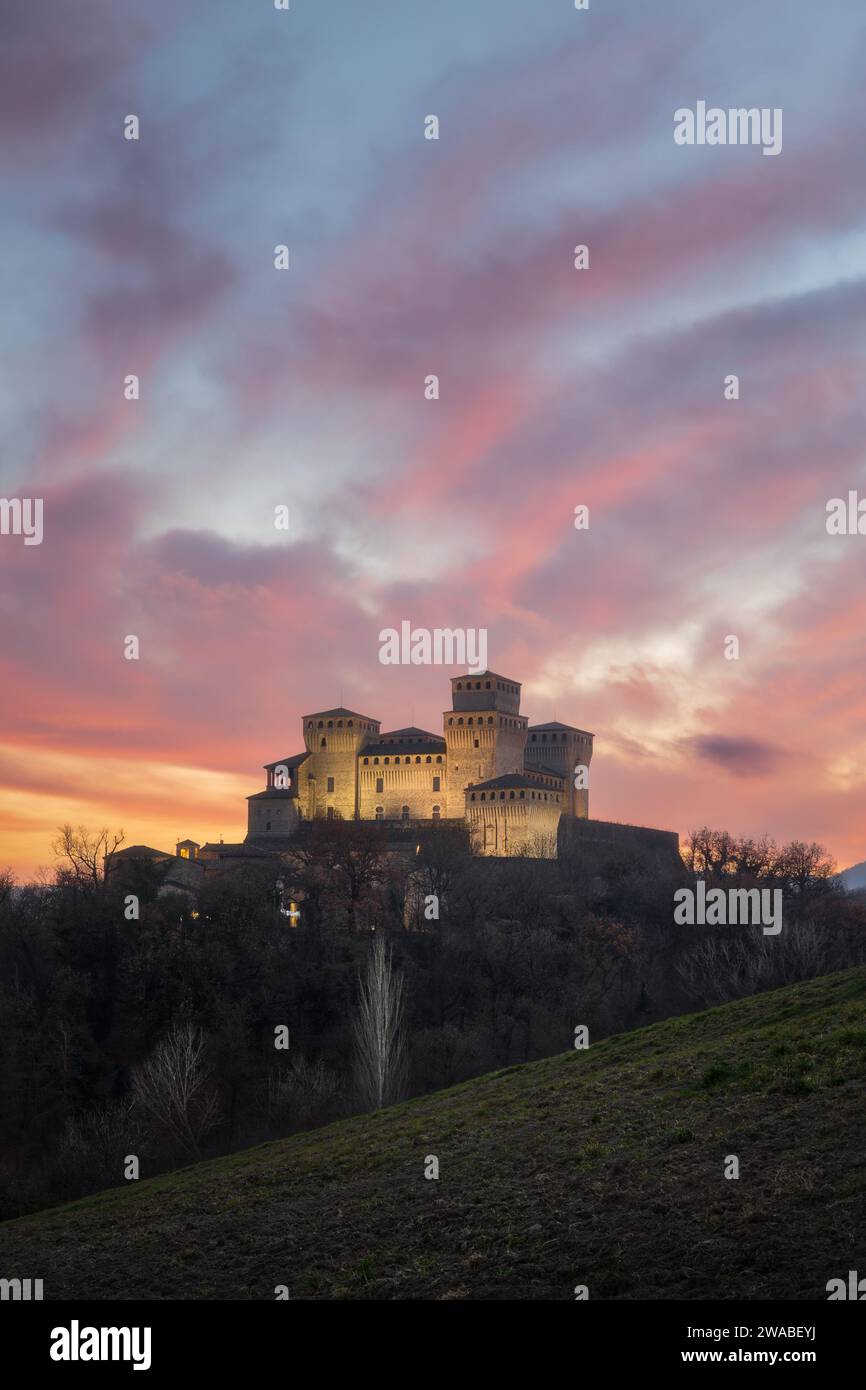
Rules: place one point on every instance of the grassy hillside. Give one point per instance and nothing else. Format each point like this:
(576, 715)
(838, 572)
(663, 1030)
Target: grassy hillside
(601, 1167)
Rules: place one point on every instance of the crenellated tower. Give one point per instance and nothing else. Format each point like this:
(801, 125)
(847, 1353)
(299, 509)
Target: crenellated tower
(485, 733)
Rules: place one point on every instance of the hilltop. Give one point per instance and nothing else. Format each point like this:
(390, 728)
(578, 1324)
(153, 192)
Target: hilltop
(600, 1167)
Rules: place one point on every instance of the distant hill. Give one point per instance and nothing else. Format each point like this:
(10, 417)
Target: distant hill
(601, 1167)
(855, 877)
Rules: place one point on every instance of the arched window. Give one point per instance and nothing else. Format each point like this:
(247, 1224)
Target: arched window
(428, 759)
(417, 760)
(438, 757)
(324, 743)
(387, 760)
(375, 762)
(511, 796)
(380, 814)
(321, 725)
(366, 762)
(459, 686)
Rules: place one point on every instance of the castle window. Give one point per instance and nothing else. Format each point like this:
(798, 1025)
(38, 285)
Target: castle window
(450, 721)
(483, 797)
(380, 814)
(349, 725)
(375, 762)
(459, 686)
(417, 760)
(330, 813)
(437, 784)
(490, 719)
(502, 796)
(321, 725)
(428, 759)
(366, 762)
(330, 784)
(387, 761)
(339, 723)
(380, 784)
(310, 724)
(330, 723)
(477, 744)
(437, 811)
(511, 796)
(324, 743)
(438, 757)
(522, 795)
(469, 721)
(459, 721)
(404, 814)
(486, 685)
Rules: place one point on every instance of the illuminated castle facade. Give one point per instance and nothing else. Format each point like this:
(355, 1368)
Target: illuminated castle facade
(510, 781)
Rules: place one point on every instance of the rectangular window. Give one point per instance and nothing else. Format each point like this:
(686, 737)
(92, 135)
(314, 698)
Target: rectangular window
(330, 784)
(437, 784)
(380, 784)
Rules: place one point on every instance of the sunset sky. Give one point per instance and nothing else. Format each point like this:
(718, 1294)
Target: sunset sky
(559, 387)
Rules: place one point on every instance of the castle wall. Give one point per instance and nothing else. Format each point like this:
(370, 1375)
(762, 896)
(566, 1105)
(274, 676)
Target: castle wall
(271, 815)
(403, 784)
(509, 827)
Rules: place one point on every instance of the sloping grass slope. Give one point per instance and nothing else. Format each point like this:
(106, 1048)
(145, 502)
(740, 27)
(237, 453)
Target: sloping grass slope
(601, 1167)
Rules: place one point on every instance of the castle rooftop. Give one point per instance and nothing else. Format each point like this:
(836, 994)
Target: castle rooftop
(340, 713)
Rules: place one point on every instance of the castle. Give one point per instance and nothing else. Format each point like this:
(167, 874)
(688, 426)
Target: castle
(509, 781)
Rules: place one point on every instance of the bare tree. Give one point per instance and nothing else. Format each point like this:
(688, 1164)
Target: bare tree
(378, 1030)
(88, 854)
(171, 1088)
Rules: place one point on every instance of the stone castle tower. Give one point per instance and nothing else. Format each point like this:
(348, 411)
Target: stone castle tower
(509, 781)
